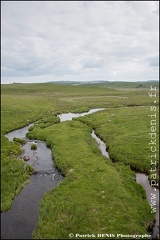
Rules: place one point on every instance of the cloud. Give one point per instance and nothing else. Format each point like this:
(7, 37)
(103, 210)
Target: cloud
(153, 61)
(79, 40)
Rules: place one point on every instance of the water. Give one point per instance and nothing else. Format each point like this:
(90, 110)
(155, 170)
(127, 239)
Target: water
(20, 221)
(150, 191)
(69, 116)
(19, 133)
(141, 179)
(101, 144)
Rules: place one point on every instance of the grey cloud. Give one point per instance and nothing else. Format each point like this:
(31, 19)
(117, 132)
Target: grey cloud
(93, 63)
(79, 39)
(153, 61)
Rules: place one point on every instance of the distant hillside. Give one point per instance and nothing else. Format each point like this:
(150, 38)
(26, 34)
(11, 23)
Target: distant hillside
(111, 84)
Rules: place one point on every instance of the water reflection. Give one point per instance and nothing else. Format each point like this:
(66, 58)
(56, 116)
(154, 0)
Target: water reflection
(20, 221)
(151, 193)
(69, 116)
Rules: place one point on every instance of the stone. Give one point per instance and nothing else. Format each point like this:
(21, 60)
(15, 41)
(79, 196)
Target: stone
(26, 158)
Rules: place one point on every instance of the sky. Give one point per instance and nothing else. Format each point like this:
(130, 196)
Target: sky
(45, 41)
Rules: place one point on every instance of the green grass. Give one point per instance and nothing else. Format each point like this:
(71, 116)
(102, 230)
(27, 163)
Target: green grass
(19, 140)
(111, 84)
(22, 104)
(12, 169)
(126, 85)
(13, 177)
(96, 195)
(126, 133)
(33, 147)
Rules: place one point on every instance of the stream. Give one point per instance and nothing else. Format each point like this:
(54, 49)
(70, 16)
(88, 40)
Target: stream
(69, 116)
(141, 179)
(20, 221)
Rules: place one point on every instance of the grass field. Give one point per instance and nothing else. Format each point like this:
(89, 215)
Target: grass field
(96, 195)
(126, 134)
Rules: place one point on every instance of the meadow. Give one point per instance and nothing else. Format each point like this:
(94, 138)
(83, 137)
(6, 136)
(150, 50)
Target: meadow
(97, 195)
(126, 134)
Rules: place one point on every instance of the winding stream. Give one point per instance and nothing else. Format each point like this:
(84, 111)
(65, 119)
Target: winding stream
(68, 116)
(143, 180)
(153, 201)
(20, 221)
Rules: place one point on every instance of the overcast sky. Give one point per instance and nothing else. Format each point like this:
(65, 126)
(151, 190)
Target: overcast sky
(79, 40)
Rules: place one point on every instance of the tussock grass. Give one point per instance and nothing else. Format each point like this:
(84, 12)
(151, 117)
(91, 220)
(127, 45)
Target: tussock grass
(13, 177)
(33, 146)
(22, 104)
(19, 140)
(126, 134)
(96, 196)
(12, 169)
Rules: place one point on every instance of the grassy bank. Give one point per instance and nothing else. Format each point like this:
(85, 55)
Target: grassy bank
(126, 134)
(96, 195)
(22, 104)
(13, 177)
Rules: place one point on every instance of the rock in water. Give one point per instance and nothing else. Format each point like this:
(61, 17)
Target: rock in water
(26, 158)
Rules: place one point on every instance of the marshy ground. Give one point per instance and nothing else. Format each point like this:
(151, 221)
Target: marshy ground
(96, 195)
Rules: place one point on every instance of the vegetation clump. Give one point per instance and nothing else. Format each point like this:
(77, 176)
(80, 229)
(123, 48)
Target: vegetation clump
(19, 140)
(126, 141)
(33, 146)
(47, 121)
(12, 169)
(96, 195)
(108, 189)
